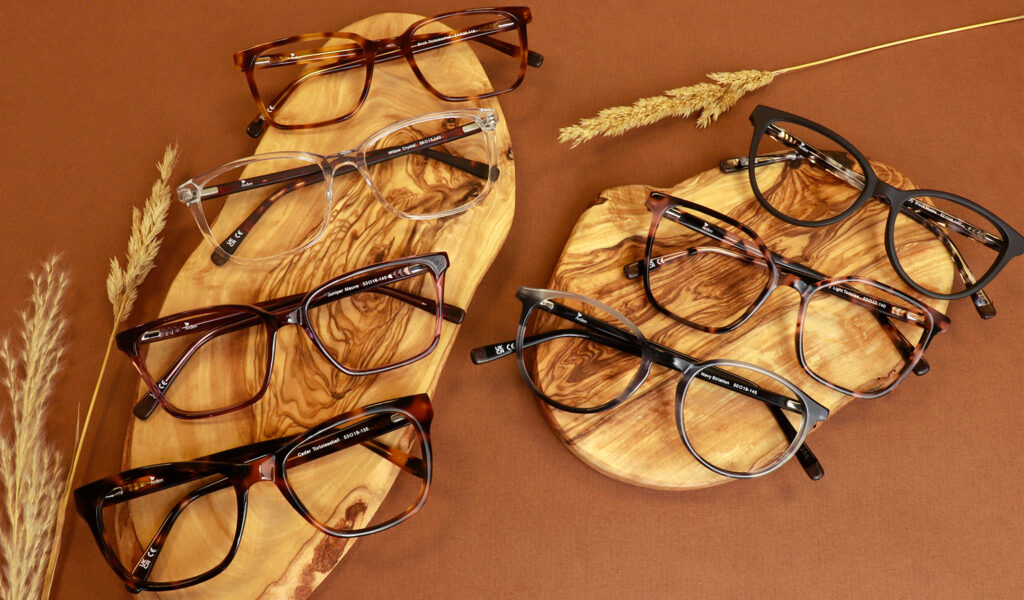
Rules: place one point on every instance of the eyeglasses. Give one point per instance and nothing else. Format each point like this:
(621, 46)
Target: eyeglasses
(368, 321)
(710, 272)
(270, 205)
(173, 525)
(581, 356)
(787, 148)
(295, 67)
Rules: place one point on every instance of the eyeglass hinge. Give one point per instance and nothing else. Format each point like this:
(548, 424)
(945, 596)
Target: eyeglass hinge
(489, 123)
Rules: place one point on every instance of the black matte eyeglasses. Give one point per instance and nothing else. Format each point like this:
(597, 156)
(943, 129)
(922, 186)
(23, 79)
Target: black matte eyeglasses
(787, 148)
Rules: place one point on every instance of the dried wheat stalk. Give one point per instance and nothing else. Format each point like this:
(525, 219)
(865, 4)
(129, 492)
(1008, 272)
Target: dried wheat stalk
(30, 465)
(122, 291)
(710, 99)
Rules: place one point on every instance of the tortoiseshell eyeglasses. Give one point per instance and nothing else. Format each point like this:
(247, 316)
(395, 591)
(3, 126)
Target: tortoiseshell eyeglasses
(172, 525)
(710, 272)
(290, 67)
(978, 244)
(582, 356)
(270, 205)
(371, 320)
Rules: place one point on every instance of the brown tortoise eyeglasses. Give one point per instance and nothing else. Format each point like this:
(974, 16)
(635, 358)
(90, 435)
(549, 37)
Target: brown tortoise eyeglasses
(710, 272)
(289, 67)
(172, 525)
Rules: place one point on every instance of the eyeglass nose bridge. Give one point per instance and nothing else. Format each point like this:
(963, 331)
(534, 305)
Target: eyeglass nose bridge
(795, 282)
(263, 470)
(345, 158)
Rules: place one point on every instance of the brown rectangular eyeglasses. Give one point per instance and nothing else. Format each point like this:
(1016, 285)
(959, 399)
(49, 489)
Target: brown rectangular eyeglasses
(188, 517)
(370, 320)
(292, 67)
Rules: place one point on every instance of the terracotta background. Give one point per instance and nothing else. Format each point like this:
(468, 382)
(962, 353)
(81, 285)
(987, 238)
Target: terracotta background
(923, 491)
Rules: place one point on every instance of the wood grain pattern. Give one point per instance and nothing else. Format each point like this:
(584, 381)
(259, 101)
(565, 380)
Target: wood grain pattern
(637, 442)
(281, 555)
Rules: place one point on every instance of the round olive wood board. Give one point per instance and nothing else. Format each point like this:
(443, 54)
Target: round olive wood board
(281, 555)
(637, 442)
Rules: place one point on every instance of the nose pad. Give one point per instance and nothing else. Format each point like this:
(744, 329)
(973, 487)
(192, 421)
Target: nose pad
(799, 285)
(796, 283)
(345, 175)
(268, 471)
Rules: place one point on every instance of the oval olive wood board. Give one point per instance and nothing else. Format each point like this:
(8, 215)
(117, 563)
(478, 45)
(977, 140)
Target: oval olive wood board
(637, 442)
(281, 555)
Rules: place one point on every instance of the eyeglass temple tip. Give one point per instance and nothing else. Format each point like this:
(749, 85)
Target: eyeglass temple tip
(733, 165)
(810, 463)
(983, 304)
(534, 59)
(453, 314)
(485, 354)
(218, 259)
(256, 127)
(145, 406)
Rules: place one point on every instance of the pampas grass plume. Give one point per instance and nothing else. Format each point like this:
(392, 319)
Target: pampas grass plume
(31, 468)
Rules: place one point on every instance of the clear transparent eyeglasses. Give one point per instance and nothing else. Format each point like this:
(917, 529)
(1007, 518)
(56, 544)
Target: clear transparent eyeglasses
(582, 356)
(271, 205)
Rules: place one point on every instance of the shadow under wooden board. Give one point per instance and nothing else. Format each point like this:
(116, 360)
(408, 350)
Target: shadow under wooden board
(281, 555)
(637, 441)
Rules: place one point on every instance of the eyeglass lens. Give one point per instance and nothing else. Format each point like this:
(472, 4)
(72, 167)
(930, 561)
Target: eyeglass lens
(576, 364)
(495, 40)
(703, 269)
(809, 181)
(175, 533)
(361, 474)
(736, 431)
(848, 340)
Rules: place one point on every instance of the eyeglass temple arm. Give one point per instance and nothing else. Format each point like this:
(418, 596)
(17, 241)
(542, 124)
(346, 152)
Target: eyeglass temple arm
(673, 360)
(351, 59)
(381, 425)
(752, 255)
(913, 209)
(225, 325)
(303, 176)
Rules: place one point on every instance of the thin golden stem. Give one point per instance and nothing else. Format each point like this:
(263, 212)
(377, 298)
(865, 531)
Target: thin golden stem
(897, 43)
(51, 563)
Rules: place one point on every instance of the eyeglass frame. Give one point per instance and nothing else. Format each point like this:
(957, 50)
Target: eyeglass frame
(382, 50)
(651, 353)
(245, 466)
(900, 201)
(273, 315)
(807, 282)
(194, 191)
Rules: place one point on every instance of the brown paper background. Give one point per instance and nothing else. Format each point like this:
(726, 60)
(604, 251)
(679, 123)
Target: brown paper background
(923, 488)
